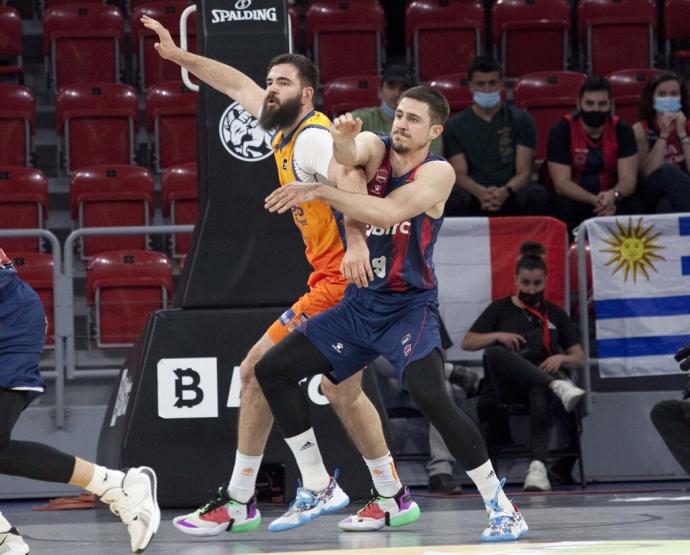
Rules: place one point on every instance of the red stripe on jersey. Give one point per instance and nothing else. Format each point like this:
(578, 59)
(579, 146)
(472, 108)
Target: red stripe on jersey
(427, 237)
(401, 242)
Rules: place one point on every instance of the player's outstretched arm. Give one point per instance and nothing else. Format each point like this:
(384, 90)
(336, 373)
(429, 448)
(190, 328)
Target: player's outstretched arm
(221, 77)
(427, 193)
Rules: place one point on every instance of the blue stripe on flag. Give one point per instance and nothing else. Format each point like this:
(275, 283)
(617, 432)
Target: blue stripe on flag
(685, 265)
(649, 306)
(684, 225)
(640, 346)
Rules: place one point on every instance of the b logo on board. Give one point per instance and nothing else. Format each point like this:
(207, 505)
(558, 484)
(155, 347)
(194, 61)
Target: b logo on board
(242, 136)
(188, 388)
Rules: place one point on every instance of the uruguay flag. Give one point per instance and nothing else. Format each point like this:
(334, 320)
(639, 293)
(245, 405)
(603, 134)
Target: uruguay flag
(475, 262)
(641, 288)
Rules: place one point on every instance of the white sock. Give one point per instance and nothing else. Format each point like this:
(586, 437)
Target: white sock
(308, 457)
(487, 483)
(243, 480)
(5, 525)
(384, 475)
(104, 479)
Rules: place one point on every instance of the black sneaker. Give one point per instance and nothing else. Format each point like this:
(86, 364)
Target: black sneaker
(445, 484)
(464, 378)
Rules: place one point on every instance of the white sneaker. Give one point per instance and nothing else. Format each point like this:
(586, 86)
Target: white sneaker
(503, 526)
(11, 543)
(537, 478)
(136, 505)
(568, 393)
(309, 505)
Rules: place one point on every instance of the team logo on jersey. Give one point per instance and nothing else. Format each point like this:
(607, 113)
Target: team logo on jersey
(377, 186)
(242, 136)
(407, 349)
(338, 347)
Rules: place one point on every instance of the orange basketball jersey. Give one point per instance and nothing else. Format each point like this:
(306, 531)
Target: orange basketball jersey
(320, 225)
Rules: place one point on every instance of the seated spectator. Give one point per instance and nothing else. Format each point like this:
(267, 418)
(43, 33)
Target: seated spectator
(592, 159)
(664, 145)
(491, 146)
(528, 345)
(379, 119)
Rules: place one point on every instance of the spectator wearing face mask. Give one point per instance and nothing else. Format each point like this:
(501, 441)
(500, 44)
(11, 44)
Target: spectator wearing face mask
(664, 145)
(592, 159)
(491, 146)
(379, 119)
(528, 343)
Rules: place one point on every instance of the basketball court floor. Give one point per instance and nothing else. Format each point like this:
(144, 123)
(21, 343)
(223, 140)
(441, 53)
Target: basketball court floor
(602, 520)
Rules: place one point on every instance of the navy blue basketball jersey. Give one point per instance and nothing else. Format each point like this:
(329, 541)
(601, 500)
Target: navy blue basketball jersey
(401, 256)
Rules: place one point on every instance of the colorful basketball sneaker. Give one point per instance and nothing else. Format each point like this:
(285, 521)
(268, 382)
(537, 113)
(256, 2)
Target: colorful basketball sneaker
(503, 526)
(309, 505)
(399, 510)
(220, 514)
(11, 543)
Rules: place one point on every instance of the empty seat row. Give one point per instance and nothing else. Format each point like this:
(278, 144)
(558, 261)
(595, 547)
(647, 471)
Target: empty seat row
(100, 196)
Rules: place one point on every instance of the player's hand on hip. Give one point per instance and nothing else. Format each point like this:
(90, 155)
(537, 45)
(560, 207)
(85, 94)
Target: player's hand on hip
(166, 46)
(285, 197)
(345, 128)
(356, 266)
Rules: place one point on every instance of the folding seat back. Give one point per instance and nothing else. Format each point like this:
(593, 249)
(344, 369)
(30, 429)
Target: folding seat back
(123, 287)
(627, 86)
(10, 41)
(17, 120)
(153, 69)
(117, 195)
(23, 205)
(346, 37)
(456, 90)
(82, 43)
(531, 35)
(345, 94)
(677, 27)
(36, 269)
(180, 203)
(443, 36)
(171, 122)
(88, 113)
(547, 96)
(617, 34)
(48, 4)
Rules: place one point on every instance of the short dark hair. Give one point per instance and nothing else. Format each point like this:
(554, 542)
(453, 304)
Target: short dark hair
(647, 111)
(532, 256)
(308, 72)
(595, 83)
(484, 64)
(437, 103)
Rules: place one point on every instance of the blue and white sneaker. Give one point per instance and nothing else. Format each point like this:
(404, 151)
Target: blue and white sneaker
(503, 526)
(309, 505)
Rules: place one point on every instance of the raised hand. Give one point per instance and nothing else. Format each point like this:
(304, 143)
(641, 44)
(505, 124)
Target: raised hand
(345, 128)
(166, 46)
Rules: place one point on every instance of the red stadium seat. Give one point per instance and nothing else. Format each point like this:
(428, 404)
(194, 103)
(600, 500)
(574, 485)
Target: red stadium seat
(10, 41)
(443, 36)
(617, 34)
(152, 69)
(547, 96)
(123, 287)
(171, 122)
(23, 204)
(346, 37)
(454, 87)
(89, 112)
(627, 86)
(677, 27)
(37, 270)
(180, 203)
(117, 195)
(82, 42)
(350, 93)
(48, 4)
(531, 35)
(17, 118)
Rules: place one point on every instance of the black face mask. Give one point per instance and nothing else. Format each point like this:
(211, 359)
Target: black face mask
(594, 118)
(531, 299)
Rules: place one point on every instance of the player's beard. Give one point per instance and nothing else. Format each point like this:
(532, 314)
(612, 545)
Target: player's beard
(282, 116)
(399, 147)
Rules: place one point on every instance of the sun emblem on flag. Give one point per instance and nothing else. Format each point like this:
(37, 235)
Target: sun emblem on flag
(633, 249)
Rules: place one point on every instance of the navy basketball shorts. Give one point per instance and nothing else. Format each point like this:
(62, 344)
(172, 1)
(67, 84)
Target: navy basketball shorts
(350, 335)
